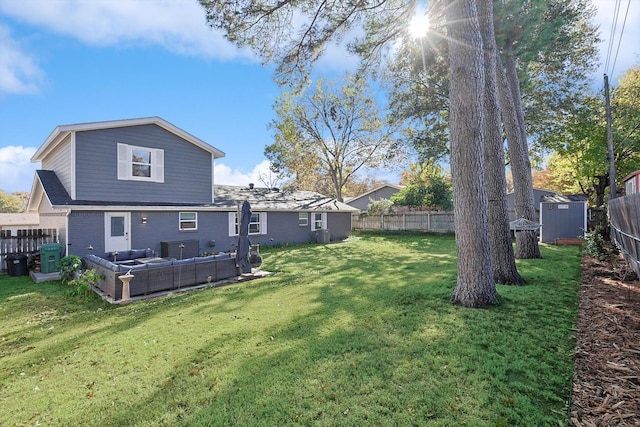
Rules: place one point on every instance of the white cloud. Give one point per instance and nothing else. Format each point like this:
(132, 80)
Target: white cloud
(176, 25)
(19, 73)
(224, 175)
(16, 169)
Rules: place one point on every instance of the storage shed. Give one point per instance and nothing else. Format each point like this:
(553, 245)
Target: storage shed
(563, 217)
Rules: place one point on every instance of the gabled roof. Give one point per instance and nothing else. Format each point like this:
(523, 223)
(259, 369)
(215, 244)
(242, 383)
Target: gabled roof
(266, 199)
(61, 132)
(378, 188)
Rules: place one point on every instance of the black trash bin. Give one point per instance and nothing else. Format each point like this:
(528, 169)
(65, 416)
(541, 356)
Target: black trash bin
(17, 265)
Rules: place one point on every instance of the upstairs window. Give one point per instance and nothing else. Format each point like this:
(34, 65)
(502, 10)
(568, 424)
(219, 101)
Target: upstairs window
(140, 163)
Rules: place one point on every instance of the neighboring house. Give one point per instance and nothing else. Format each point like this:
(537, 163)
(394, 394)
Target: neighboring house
(144, 183)
(18, 221)
(563, 217)
(362, 201)
(632, 183)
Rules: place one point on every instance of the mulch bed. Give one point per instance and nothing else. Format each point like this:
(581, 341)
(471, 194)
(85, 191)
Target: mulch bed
(606, 385)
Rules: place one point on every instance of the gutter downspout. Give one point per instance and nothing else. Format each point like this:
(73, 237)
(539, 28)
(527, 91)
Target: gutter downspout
(66, 231)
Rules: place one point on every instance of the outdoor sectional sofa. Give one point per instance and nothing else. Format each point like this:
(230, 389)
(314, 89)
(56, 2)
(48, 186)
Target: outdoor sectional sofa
(152, 274)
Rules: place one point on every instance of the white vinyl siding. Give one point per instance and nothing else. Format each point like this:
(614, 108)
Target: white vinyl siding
(140, 163)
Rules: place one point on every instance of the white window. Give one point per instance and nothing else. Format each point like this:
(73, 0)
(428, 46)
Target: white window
(303, 219)
(319, 220)
(188, 221)
(257, 223)
(140, 163)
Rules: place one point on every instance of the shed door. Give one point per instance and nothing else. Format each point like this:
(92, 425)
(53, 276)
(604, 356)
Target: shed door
(117, 227)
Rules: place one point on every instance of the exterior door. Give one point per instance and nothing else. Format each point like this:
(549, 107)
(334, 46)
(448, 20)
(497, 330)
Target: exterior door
(117, 227)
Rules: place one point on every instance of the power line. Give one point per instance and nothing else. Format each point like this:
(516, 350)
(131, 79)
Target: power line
(612, 35)
(620, 39)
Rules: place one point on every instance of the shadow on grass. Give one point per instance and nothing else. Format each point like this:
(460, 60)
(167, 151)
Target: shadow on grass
(351, 335)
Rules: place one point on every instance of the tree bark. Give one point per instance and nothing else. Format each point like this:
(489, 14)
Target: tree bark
(502, 256)
(475, 286)
(513, 121)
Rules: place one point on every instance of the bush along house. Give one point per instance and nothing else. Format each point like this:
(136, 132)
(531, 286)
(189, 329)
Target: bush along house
(145, 183)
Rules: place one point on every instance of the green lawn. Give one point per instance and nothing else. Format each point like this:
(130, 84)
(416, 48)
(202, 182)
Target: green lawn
(351, 334)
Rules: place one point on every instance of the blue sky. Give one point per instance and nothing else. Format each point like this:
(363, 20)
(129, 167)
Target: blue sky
(77, 61)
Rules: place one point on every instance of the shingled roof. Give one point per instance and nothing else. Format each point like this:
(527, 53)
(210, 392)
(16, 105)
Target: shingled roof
(266, 199)
(227, 197)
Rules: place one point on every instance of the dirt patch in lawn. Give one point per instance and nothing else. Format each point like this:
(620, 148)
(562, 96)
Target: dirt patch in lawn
(606, 386)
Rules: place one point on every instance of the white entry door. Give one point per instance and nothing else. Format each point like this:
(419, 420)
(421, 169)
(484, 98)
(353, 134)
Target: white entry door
(117, 227)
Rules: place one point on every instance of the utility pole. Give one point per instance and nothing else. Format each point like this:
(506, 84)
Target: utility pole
(613, 192)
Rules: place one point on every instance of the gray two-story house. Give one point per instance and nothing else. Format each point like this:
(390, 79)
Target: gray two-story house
(145, 183)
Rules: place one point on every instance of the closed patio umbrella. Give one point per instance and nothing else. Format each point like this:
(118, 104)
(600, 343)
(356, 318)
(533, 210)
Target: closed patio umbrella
(242, 252)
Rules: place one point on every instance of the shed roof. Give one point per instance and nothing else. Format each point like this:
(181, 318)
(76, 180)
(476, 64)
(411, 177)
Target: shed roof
(564, 198)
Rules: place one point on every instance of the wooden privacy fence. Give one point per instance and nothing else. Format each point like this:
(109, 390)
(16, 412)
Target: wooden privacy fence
(25, 242)
(433, 221)
(624, 214)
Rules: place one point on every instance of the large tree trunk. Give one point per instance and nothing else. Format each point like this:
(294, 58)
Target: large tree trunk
(513, 120)
(475, 286)
(502, 256)
(599, 187)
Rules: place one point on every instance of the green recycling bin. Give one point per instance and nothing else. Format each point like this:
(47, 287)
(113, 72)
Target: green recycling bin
(50, 257)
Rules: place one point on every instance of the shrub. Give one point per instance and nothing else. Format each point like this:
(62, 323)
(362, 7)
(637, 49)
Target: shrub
(81, 286)
(69, 266)
(379, 207)
(596, 246)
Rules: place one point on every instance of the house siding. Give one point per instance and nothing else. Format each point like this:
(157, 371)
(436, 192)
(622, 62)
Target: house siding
(187, 168)
(86, 228)
(59, 161)
(282, 228)
(339, 225)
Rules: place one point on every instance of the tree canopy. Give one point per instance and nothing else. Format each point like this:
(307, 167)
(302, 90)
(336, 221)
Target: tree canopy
(330, 130)
(580, 162)
(13, 203)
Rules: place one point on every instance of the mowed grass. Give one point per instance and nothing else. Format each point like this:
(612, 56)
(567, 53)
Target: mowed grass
(350, 334)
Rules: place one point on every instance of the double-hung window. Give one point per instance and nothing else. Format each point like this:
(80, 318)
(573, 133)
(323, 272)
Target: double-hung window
(319, 221)
(140, 163)
(257, 223)
(188, 221)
